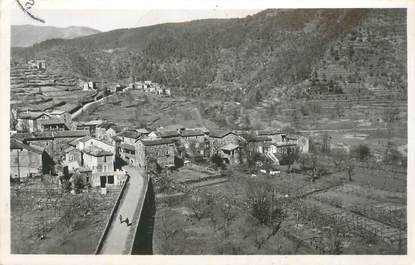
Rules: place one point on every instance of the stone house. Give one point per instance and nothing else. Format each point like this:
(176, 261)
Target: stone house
(30, 121)
(194, 140)
(162, 151)
(43, 139)
(54, 124)
(260, 144)
(61, 114)
(28, 160)
(275, 135)
(90, 126)
(230, 153)
(129, 136)
(105, 131)
(218, 139)
(99, 157)
(127, 153)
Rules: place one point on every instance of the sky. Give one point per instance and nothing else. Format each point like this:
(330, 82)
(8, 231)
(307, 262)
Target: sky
(107, 19)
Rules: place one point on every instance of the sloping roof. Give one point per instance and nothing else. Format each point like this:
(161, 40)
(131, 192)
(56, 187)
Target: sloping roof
(31, 115)
(269, 132)
(127, 146)
(96, 151)
(142, 131)
(92, 123)
(230, 147)
(14, 144)
(82, 139)
(168, 134)
(219, 133)
(107, 125)
(75, 133)
(172, 127)
(190, 133)
(130, 134)
(53, 121)
(57, 112)
(150, 142)
(116, 138)
(259, 139)
(70, 148)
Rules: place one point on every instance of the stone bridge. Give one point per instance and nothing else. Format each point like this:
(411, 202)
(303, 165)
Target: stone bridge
(136, 203)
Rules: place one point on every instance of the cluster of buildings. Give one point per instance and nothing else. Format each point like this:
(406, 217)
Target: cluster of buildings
(145, 86)
(50, 143)
(39, 64)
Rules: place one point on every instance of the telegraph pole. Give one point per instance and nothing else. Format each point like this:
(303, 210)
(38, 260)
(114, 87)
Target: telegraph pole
(18, 164)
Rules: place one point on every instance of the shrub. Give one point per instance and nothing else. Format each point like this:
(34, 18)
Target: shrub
(361, 152)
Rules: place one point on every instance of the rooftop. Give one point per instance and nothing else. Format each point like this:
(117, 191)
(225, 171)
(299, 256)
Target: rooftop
(190, 133)
(127, 146)
(96, 151)
(31, 115)
(15, 144)
(130, 134)
(150, 142)
(168, 134)
(219, 133)
(259, 139)
(269, 132)
(80, 140)
(75, 133)
(230, 147)
(53, 121)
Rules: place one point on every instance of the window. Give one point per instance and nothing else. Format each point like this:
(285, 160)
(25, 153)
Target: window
(105, 158)
(71, 158)
(110, 180)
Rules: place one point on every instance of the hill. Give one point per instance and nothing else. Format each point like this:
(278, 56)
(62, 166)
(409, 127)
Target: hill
(27, 35)
(289, 53)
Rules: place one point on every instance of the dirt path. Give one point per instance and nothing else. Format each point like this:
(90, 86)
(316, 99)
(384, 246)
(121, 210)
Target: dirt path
(117, 237)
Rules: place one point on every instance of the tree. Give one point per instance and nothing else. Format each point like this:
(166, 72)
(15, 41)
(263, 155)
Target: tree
(217, 161)
(68, 218)
(78, 183)
(201, 205)
(290, 157)
(361, 151)
(325, 148)
(344, 161)
(311, 165)
(390, 115)
(392, 155)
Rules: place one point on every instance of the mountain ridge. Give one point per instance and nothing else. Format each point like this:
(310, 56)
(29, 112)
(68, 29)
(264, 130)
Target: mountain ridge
(245, 58)
(27, 35)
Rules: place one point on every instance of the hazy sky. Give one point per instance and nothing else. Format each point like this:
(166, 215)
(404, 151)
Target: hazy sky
(105, 20)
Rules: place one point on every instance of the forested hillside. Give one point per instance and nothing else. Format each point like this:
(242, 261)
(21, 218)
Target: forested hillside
(290, 53)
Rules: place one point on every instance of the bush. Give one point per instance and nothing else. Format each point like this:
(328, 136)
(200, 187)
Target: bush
(217, 161)
(361, 152)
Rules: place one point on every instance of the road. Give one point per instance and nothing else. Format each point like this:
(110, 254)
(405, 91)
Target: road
(116, 240)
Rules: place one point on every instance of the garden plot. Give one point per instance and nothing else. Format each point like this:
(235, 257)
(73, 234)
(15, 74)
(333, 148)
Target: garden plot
(322, 213)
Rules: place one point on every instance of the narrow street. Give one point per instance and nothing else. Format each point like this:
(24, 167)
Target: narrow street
(118, 234)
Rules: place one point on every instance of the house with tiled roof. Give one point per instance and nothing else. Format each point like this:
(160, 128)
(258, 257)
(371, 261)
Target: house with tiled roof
(160, 150)
(29, 121)
(98, 157)
(28, 160)
(54, 124)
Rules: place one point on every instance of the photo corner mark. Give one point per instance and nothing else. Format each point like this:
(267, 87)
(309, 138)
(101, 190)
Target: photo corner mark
(27, 6)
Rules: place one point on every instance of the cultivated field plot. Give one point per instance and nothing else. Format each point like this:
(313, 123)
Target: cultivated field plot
(329, 216)
(46, 221)
(135, 108)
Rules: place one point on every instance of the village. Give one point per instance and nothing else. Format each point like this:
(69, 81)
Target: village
(67, 150)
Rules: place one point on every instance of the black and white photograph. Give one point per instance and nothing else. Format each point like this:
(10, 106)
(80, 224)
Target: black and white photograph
(260, 131)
